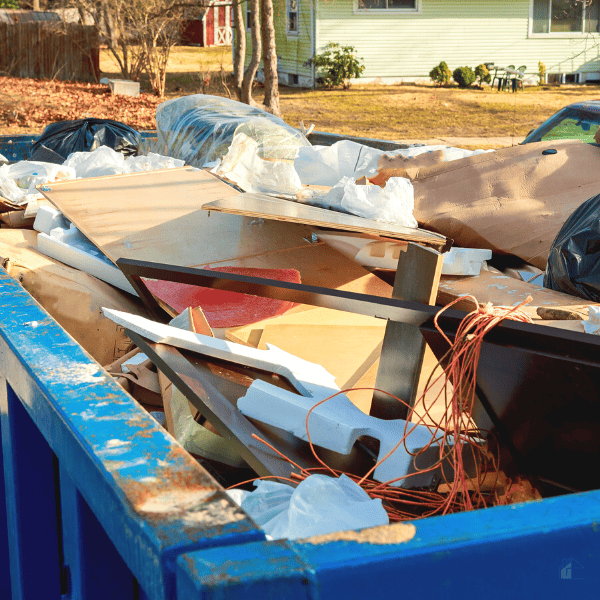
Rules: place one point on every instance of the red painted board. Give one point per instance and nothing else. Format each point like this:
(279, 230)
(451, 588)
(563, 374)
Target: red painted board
(221, 308)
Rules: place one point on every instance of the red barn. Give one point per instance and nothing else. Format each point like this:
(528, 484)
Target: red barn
(214, 29)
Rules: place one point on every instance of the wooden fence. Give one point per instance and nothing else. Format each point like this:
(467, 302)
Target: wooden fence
(50, 50)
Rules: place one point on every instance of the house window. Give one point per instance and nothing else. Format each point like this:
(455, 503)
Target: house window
(391, 5)
(292, 16)
(565, 16)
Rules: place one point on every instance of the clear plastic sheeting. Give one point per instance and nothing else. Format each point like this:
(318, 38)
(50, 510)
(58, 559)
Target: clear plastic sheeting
(319, 505)
(105, 161)
(243, 166)
(393, 204)
(199, 129)
(18, 181)
(327, 165)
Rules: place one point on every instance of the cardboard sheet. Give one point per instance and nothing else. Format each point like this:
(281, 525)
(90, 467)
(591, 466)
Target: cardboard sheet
(513, 200)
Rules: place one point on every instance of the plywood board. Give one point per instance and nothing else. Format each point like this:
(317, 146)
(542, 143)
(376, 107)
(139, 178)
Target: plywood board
(266, 207)
(346, 351)
(501, 290)
(112, 210)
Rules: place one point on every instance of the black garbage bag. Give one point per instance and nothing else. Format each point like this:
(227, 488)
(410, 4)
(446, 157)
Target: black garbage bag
(84, 135)
(574, 261)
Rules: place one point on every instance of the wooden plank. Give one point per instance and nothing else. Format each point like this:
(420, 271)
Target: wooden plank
(266, 207)
(417, 279)
(502, 290)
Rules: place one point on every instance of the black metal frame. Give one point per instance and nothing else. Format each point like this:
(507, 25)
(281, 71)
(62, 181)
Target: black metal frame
(517, 359)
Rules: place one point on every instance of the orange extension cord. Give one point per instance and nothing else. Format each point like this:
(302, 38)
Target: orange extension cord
(455, 433)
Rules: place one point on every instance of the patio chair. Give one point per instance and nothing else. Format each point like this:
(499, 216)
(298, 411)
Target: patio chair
(518, 80)
(498, 75)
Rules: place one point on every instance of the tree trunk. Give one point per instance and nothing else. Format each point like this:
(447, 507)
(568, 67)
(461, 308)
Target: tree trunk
(270, 58)
(250, 71)
(239, 49)
(36, 5)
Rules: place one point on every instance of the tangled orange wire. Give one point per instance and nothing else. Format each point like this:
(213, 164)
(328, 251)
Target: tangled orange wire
(461, 445)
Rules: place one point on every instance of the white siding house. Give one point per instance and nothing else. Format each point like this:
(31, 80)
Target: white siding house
(401, 40)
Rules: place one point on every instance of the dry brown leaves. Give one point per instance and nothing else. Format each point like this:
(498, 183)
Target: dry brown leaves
(28, 105)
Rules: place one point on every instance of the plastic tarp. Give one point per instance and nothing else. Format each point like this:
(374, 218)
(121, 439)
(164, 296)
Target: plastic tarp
(574, 260)
(199, 129)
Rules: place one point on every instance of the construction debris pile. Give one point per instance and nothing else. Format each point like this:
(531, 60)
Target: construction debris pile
(277, 306)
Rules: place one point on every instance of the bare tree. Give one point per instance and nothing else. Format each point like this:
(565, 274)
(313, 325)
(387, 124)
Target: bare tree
(239, 48)
(141, 33)
(252, 67)
(271, 100)
(262, 31)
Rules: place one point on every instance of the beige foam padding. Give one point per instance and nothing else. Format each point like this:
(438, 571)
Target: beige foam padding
(72, 297)
(513, 200)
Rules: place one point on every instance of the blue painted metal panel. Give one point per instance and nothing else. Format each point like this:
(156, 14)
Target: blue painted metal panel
(29, 474)
(4, 557)
(151, 497)
(545, 549)
(94, 570)
(16, 147)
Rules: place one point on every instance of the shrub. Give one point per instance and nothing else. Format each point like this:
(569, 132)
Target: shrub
(541, 72)
(464, 76)
(338, 64)
(441, 74)
(482, 74)
(9, 4)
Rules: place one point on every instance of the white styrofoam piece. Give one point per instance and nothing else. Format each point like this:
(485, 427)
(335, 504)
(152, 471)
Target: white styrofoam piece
(532, 278)
(592, 325)
(182, 320)
(136, 359)
(303, 375)
(84, 261)
(377, 254)
(464, 261)
(49, 218)
(335, 425)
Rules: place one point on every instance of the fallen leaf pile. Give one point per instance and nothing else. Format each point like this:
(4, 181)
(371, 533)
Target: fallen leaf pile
(28, 105)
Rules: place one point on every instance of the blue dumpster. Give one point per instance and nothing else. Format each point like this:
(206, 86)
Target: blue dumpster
(98, 501)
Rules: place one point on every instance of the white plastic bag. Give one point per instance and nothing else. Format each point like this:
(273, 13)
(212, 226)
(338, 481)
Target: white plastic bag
(106, 161)
(393, 204)
(102, 161)
(319, 505)
(327, 165)
(18, 181)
